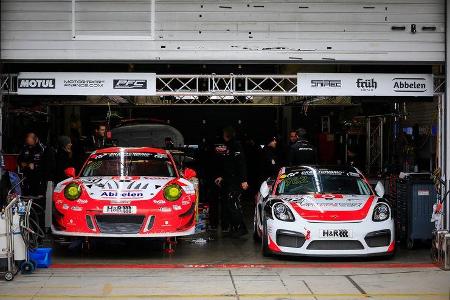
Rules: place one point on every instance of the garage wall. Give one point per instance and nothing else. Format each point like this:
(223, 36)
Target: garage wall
(194, 30)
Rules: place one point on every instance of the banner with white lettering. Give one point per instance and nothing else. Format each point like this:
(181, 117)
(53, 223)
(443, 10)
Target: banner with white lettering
(364, 84)
(88, 84)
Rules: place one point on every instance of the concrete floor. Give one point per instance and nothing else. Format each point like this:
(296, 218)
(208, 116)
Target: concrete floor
(232, 283)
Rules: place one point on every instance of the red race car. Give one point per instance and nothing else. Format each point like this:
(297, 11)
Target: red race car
(126, 192)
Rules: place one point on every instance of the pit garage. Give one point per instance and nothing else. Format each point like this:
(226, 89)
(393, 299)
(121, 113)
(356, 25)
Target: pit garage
(367, 93)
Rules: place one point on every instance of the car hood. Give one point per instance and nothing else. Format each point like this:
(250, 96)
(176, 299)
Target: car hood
(333, 202)
(332, 207)
(135, 188)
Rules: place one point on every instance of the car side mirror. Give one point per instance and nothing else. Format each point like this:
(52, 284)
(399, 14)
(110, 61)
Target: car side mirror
(189, 173)
(264, 190)
(70, 172)
(379, 189)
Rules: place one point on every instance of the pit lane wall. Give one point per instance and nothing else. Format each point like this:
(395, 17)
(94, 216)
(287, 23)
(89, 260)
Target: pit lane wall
(193, 30)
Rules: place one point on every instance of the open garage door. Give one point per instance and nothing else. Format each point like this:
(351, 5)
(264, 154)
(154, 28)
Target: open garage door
(357, 103)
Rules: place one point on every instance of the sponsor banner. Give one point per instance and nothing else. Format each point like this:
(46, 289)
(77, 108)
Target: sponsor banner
(88, 84)
(364, 84)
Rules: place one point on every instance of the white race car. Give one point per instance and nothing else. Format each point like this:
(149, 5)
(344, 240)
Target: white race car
(314, 211)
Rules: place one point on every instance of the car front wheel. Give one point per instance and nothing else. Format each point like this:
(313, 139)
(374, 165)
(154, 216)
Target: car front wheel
(265, 240)
(256, 236)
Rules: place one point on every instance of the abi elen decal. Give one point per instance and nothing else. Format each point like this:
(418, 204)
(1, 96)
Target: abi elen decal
(122, 194)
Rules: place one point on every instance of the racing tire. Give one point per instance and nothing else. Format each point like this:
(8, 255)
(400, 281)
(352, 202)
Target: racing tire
(265, 241)
(8, 276)
(256, 236)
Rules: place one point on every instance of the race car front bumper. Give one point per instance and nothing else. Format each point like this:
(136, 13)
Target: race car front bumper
(191, 231)
(143, 223)
(334, 239)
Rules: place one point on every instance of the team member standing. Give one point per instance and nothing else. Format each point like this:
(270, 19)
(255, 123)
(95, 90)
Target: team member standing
(99, 139)
(270, 163)
(232, 179)
(292, 139)
(302, 152)
(30, 162)
(64, 158)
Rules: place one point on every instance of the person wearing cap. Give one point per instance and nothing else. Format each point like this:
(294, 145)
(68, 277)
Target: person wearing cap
(64, 158)
(270, 161)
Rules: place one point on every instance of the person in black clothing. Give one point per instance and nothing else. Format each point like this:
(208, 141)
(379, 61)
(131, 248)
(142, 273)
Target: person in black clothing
(64, 158)
(168, 143)
(78, 151)
(232, 179)
(30, 162)
(302, 152)
(270, 163)
(292, 139)
(99, 139)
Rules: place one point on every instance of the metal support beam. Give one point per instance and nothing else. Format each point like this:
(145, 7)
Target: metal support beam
(446, 118)
(226, 85)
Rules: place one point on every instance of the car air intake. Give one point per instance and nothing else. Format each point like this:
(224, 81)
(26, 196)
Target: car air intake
(335, 245)
(89, 222)
(291, 239)
(381, 238)
(150, 223)
(119, 224)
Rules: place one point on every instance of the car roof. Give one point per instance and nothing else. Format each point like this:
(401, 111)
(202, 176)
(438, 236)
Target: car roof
(322, 168)
(131, 150)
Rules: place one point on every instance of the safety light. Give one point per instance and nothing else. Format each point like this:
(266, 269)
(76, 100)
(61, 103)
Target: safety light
(172, 192)
(283, 213)
(72, 191)
(381, 212)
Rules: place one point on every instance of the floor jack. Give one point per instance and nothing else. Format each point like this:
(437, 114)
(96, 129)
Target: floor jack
(169, 245)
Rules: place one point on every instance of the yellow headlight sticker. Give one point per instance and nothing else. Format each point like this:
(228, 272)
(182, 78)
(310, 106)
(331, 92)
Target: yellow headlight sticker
(72, 191)
(172, 192)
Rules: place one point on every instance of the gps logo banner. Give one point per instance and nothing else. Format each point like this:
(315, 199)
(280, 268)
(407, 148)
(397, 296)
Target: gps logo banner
(86, 84)
(129, 84)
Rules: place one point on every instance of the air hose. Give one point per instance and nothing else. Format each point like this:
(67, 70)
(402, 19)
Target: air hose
(32, 234)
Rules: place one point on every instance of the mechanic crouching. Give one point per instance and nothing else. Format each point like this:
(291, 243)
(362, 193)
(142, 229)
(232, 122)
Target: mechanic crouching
(232, 180)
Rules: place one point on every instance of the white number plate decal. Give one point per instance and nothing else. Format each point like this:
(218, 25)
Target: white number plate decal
(120, 209)
(336, 233)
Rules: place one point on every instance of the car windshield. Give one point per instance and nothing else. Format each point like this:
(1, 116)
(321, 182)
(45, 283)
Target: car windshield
(306, 181)
(129, 164)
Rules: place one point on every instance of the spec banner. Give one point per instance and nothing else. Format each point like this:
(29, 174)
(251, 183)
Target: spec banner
(364, 84)
(88, 84)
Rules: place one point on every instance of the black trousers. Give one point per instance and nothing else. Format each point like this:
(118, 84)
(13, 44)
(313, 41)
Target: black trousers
(232, 215)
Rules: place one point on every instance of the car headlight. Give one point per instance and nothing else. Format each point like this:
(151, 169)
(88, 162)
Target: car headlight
(72, 191)
(381, 212)
(283, 213)
(172, 192)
